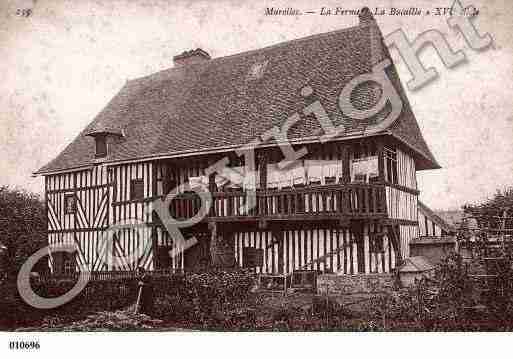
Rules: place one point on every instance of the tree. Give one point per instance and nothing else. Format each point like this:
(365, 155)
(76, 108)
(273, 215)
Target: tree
(22, 227)
(488, 213)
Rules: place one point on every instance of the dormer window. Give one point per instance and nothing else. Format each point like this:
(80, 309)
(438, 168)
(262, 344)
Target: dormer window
(100, 140)
(101, 146)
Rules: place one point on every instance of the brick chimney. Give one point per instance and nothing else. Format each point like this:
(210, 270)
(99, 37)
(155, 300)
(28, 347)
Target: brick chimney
(191, 57)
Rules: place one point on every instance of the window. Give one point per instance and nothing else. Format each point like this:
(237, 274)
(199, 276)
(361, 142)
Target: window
(163, 257)
(101, 146)
(70, 204)
(69, 264)
(390, 167)
(63, 262)
(252, 257)
(376, 244)
(137, 189)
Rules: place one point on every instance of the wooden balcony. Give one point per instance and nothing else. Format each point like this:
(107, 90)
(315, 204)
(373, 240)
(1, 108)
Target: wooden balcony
(334, 201)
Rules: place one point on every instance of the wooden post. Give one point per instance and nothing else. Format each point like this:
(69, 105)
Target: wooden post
(154, 247)
(381, 159)
(279, 237)
(387, 260)
(213, 244)
(221, 247)
(346, 171)
(357, 228)
(366, 248)
(262, 165)
(212, 187)
(395, 238)
(166, 178)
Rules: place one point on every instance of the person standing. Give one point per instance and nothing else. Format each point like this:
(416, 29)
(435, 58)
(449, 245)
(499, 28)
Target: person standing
(145, 293)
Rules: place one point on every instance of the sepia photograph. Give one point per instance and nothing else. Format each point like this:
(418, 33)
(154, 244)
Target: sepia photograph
(270, 167)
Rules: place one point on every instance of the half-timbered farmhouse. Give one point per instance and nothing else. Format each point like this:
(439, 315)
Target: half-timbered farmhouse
(348, 205)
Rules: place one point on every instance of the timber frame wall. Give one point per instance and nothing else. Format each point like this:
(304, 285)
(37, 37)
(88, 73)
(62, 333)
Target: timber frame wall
(367, 236)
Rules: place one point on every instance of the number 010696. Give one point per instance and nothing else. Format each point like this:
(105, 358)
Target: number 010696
(24, 345)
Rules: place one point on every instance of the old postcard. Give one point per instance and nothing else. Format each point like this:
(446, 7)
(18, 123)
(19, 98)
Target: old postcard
(242, 166)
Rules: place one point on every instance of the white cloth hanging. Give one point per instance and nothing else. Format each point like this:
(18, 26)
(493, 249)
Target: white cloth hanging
(298, 174)
(332, 168)
(366, 167)
(231, 177)
(373, 168)
(251, 180)
(278, 178)
(220, 181)
(272, 176)
(314, 170)
(198, 182)
(319, 170)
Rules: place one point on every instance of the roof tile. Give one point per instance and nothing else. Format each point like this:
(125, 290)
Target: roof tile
(214, 104)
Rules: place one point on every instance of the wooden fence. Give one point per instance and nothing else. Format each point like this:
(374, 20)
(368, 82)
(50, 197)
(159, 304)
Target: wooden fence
(109, 275)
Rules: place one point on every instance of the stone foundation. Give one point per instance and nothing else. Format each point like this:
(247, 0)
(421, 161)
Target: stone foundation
(355, 284)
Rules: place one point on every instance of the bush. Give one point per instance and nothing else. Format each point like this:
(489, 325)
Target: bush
(449, 302)
(23, 228)
(208, 300)
(97, 296)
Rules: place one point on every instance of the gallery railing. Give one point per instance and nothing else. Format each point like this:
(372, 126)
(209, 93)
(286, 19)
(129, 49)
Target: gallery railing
(355, 199)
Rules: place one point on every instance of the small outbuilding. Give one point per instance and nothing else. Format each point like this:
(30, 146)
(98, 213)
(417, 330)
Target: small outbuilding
(415, 268)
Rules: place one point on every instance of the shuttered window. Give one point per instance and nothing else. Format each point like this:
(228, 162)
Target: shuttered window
(137, 189)
(101, 146)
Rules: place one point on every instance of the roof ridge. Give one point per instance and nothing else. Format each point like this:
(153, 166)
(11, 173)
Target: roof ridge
(288, 42)
(249, 52)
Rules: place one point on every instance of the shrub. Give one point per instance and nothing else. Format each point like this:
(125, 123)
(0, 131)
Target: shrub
(97, 296)
(23, 228)
(449, 302)
(208, 300)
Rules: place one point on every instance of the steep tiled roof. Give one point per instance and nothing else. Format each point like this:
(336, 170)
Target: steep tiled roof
(220, 103)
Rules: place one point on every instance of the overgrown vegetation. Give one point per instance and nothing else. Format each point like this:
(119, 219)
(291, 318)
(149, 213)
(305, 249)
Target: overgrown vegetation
(200, 299)
(452, 300)
(488, 211)
(120, 320)
(97, 296)
(207, 300)
(222, 301)
(23, 228)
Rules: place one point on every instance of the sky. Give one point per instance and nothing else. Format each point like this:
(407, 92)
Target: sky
(61, 65)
